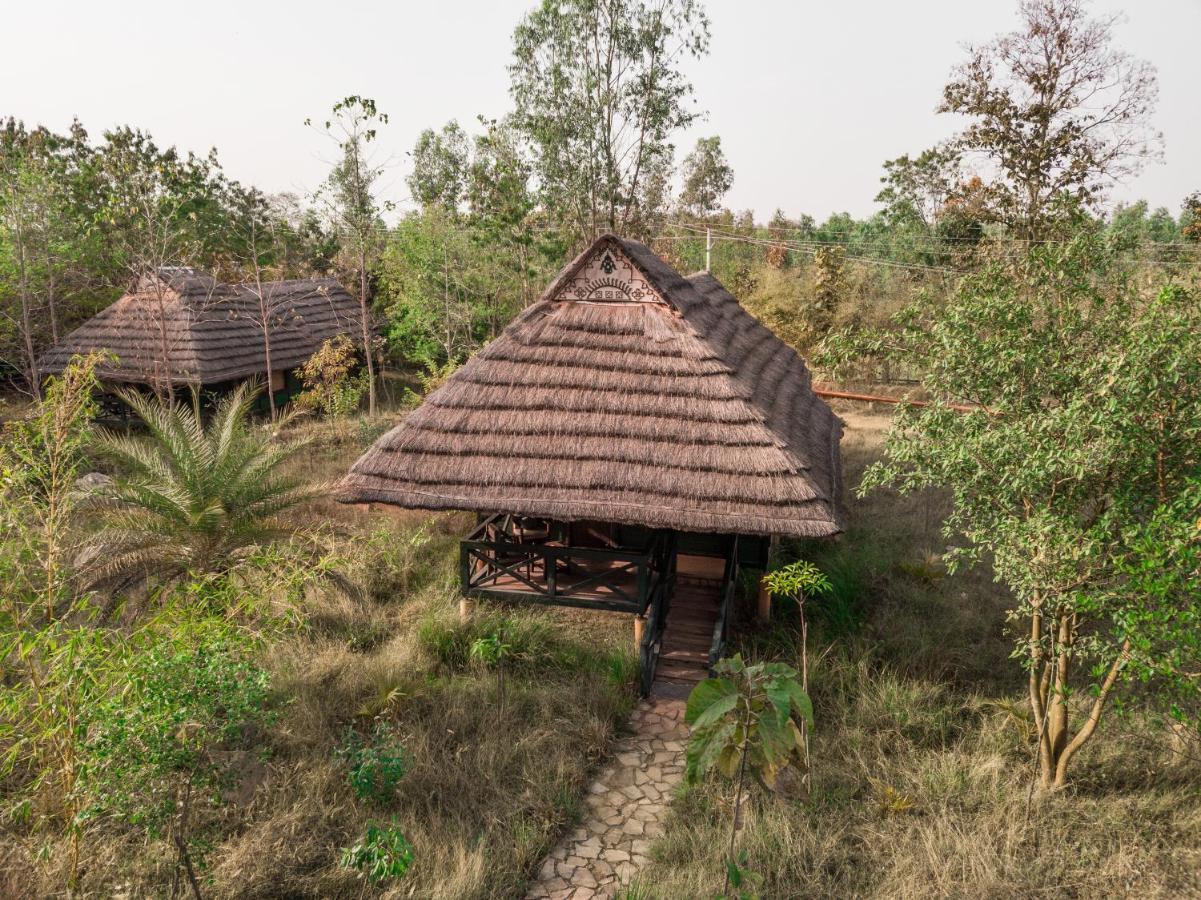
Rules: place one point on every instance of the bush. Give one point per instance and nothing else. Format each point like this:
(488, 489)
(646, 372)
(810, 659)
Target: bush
(164, 737)
(376, 763)
(531, 641)
(383, 853)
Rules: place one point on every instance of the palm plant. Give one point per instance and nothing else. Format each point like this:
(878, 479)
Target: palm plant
(193, 498)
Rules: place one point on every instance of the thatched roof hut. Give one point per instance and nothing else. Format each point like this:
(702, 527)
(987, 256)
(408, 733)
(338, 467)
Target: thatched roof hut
(183, 327)
(627, 394)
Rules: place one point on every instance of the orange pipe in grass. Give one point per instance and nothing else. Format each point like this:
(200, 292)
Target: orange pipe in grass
(878, 398)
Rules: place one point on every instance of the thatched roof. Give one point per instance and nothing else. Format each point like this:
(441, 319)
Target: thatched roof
(627, 393)
(211, 331)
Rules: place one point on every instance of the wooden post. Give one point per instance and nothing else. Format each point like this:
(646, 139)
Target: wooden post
(466, 609)
(764, 606)
(639, 631)
(763, 612)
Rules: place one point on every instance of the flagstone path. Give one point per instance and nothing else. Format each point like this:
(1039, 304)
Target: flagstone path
(625, 808)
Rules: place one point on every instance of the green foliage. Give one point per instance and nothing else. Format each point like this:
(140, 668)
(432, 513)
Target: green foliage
(194, 498)
(376, 763)
(382, 854)
(453, 281)
(707, 177)
(744, 716)
(741, 879)
(599, 93)
(330, 384)
(743, 720)
(1076, 463)
(184, 697)
(796, 579)
(491, 649)
(440, 167)
(526, 639)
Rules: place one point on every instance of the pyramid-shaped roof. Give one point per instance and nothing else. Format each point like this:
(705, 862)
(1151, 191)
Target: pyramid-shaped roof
(630, 394)
(206, 331)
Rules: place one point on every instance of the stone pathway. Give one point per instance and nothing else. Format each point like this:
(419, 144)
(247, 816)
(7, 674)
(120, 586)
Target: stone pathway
(625, 808)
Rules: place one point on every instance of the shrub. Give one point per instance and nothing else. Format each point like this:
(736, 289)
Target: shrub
(195, 497)
(376, 763)
(330, 387)
(383, 853)
(161, 738)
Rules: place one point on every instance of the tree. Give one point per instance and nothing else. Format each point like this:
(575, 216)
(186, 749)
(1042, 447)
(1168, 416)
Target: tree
(1068, 474)
(43, 228)
(350, 195)
(195, 496)
(440, 164)
(1190, 217)
(742, 722)
(493, 651)
(799, 580)
(1056, 111)
(159, 211)
(707, 178)
(917, 189)
(599, 93)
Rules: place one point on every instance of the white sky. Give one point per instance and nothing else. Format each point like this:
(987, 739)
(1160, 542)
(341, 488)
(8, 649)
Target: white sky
(809, 98)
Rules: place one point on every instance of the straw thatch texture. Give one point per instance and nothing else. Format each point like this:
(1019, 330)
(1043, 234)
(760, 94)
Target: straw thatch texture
(208, 332)
(663, 404)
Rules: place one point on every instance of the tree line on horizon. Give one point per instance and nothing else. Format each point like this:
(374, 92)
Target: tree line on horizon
(600, 95)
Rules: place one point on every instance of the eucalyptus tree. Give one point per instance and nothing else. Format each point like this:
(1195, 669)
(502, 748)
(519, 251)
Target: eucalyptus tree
(350, 197)
(600, 92)
(440, 163)
(708, 176)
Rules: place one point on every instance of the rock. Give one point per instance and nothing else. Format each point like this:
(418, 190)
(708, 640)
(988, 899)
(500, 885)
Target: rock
(93, 483)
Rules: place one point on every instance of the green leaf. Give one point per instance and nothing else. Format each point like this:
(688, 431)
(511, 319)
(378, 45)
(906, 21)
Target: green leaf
(705, 694)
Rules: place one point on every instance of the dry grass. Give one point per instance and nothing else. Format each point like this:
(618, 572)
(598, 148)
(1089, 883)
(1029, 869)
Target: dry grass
(923, 755)
(922, 751)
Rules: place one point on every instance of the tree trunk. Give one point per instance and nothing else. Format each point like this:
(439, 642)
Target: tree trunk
(35, 385)
(265, 321)
(1049, 688)
(367, 348)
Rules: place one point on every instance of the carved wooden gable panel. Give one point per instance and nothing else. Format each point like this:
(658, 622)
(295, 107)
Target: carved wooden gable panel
(609, 276)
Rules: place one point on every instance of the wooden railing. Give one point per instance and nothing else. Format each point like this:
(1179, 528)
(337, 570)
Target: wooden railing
(717, 649)
(493, 561)
(656, 613)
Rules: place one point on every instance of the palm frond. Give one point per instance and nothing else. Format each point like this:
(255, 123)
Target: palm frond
(192, 497)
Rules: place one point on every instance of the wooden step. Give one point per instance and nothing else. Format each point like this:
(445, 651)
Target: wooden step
(686, 655)
(673, 670)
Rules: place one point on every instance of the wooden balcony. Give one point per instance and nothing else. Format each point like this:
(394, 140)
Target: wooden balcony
(504, 558)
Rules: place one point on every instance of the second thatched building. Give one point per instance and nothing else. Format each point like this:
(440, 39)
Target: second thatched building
(180, 329)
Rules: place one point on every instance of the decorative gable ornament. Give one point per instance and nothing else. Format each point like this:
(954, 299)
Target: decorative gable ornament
(609, 277)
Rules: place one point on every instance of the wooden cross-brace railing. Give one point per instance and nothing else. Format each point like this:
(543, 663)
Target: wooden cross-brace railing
(494, 562)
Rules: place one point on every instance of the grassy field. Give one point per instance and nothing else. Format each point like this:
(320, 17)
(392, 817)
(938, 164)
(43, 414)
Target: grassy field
(922, 750)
